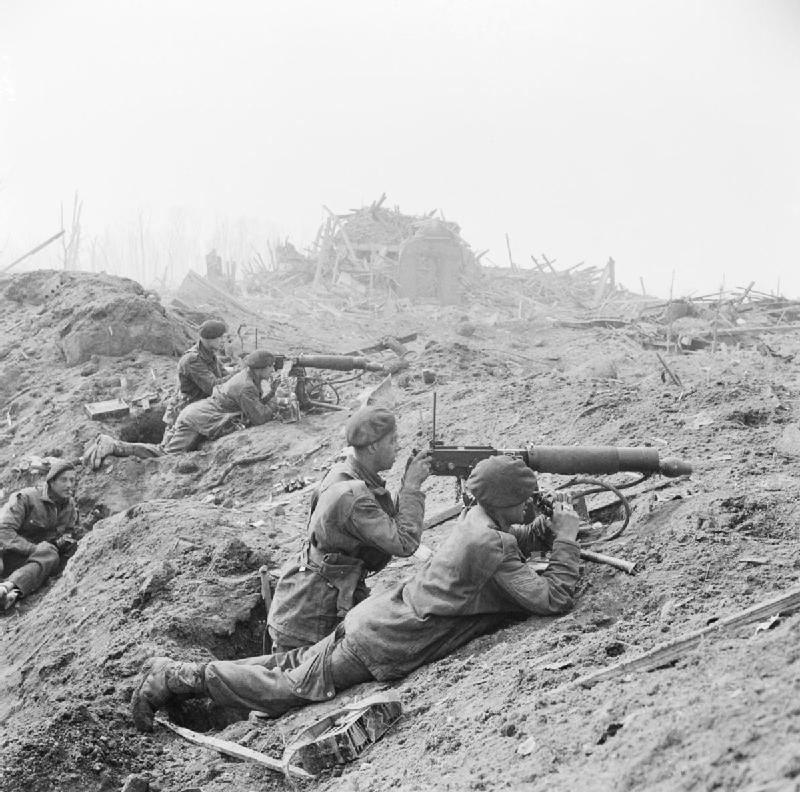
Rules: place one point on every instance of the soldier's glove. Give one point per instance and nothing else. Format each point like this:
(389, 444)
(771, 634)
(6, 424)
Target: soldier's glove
(533, 537)
(66, 545)
(543, 535)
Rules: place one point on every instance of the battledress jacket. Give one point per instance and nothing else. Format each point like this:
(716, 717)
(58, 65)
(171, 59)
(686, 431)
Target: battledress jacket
(354, 529)
(31, 516)
(199, 369)
(241, 394)
(473, 583)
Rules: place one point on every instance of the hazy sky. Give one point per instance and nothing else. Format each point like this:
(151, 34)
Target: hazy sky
(664, 134)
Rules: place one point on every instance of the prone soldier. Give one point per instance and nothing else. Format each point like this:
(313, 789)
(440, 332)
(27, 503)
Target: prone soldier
(472, 584)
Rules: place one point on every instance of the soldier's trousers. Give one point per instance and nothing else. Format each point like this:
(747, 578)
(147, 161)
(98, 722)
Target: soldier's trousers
(262, 683)
(30, 572)
(176, 440)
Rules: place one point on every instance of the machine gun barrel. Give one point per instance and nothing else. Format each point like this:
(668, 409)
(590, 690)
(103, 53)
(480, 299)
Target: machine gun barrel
(331, 362)
(572, 460)
(565, 460)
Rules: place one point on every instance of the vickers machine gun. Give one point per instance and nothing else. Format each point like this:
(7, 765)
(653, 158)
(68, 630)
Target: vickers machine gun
(315, 391)
(451, 460)
(458, 461)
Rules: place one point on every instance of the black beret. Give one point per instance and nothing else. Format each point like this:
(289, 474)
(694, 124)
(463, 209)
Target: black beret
(501, 481)
(57, 468)
(369, 425)
(260, 359)
(212, 328)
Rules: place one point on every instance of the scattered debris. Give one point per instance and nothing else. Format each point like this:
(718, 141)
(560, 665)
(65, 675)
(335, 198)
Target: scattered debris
(667, 654)
(344, 735)
(112, 408)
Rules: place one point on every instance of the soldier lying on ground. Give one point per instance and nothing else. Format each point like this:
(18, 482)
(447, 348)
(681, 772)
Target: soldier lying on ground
(472, 584)
(237, 400)
(199, 369)
(35, 527)
(354, 529)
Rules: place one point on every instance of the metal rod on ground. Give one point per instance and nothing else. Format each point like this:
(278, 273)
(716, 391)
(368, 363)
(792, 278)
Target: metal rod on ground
(326, 406)
(234, 749)
(612, 561)
(587, 555)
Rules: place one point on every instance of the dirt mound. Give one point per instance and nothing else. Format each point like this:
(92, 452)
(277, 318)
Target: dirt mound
(99, 315)
(162, 577)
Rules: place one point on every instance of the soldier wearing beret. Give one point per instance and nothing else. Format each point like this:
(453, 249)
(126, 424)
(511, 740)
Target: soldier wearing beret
(475, 582)
(355, 527)
(35, 526)
(199, 369)
(236, 400)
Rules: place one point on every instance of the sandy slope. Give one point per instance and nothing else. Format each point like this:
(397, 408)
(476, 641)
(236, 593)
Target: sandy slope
(178, 573)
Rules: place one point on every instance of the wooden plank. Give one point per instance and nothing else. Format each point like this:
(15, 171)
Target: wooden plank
(223, 299)
(740, 331)
(668, 653)
(443, 516)
(381, 345)
(234, 749)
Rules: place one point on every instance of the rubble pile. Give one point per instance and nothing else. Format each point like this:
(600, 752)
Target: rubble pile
(579, 288)
(367, 255)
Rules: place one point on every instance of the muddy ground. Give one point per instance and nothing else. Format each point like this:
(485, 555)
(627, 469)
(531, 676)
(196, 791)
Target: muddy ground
(174, 568)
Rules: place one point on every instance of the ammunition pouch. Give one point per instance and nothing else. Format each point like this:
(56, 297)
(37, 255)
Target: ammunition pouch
(341, 571)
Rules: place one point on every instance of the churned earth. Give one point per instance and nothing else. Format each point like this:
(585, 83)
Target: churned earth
(174, 567)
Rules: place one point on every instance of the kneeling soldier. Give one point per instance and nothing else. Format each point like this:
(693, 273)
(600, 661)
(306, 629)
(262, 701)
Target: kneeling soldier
(354, 529)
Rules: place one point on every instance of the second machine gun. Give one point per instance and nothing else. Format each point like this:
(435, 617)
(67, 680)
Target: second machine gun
(314, 391)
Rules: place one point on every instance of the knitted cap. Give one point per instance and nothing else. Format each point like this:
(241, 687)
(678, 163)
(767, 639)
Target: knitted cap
(212, 328)
(501, 481)
(369, 425)
(260, 359)
(57, 468)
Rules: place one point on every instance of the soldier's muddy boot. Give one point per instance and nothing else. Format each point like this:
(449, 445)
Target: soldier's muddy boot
(165, 681)
(9, 594)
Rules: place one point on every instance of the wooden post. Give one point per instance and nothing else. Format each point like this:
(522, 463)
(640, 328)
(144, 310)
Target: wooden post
(510, 257)
(716, 318)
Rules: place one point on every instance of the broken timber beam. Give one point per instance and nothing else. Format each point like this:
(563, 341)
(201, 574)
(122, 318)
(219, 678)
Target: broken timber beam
(668, 653)
(234, 749)
(381, 345)
(34, 250)
(676, 380)
(740, 331)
